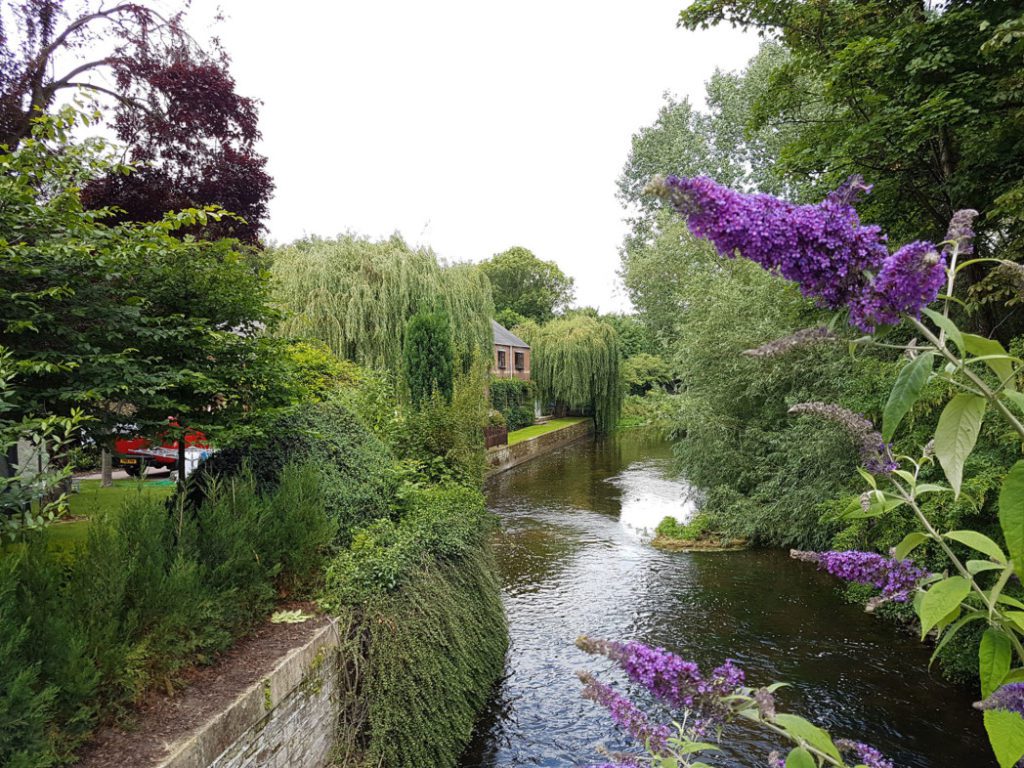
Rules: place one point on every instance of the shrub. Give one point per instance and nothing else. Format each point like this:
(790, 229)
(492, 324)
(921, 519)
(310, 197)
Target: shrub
(357, 472)
(514, 398)
(428, 358)
(432, 620)
(148, 594)
(696, 529)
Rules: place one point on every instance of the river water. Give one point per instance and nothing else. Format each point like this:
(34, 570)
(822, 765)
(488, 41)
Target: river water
(574, 561)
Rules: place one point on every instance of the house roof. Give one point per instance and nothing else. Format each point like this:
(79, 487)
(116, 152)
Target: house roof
(505, 337)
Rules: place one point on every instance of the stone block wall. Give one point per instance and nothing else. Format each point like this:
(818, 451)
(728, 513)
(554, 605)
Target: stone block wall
(288, 720)
(508, 456)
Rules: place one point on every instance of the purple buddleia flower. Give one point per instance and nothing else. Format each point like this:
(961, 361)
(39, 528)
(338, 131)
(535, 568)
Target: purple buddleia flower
(874, 451)
(907, 281)
(961, 232)
(896, 578)
(823, 248)
(775, 760)
(627, 715)
(1009, 697)
(866, 754)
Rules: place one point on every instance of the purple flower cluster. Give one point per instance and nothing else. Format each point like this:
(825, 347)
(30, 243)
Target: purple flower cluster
(866, 755)
(896, 578)
(823, 247)
(671, 679)
(627, 715)
(1009, 697)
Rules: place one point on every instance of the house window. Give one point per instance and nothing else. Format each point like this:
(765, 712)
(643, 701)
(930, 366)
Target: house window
(502, 364)
(520, 362)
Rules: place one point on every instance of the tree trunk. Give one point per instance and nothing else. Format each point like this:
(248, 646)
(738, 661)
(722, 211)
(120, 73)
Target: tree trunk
(181, 460)
(106, 469)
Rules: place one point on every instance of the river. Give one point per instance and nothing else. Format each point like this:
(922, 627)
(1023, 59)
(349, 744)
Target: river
(574, 561)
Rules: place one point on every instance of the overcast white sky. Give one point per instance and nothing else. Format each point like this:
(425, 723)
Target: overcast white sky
(470, 126)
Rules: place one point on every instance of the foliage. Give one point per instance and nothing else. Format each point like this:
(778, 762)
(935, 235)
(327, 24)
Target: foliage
(428, 356)
(531, 288)
(695, 529)
(514, 399)
(643, 372)
(357, 474)
(443, 442)
(357, 296)
(148, 595)
(190, 135)
(635, 337)
(984, 377)
(139, 324)
(436, 650)
(923, 99)
(432, 616)
(30, 499)
(576, 363)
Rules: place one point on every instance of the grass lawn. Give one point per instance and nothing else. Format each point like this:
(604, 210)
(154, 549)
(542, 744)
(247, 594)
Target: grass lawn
(92, 498)
(528, 433)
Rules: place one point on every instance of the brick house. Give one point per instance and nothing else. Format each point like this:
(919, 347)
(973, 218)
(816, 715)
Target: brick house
(511, 354)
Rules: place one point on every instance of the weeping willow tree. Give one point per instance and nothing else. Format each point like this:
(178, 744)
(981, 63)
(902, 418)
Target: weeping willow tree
(576, 363)
(357, 296)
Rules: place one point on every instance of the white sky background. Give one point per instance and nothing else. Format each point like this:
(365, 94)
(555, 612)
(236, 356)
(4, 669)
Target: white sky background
(468, 126)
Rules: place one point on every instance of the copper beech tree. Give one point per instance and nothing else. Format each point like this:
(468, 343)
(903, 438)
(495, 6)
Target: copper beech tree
(189, 134)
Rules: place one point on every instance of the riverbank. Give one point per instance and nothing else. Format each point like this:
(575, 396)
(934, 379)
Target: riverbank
(529, 443)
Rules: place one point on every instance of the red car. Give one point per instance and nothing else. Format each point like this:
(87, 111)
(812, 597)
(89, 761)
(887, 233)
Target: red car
(134, 454)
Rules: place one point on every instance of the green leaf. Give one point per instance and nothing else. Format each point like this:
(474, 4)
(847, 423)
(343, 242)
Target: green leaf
(800, 758)
(994, 657)
(995, 357)
(947, 325)
(941, 600)
(910, 542)
(979, 542)
(1017, 398)
(977, 566)
(909, 384)
(1006, 735)
(1011, 514)
(1014, 676)
(957, 433)
(950, 633)
(807, 732)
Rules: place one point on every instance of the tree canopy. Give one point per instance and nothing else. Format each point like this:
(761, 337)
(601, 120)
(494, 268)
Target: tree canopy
(357, 296)
(575, 362)
(924, 100)
(527, 286)
(429, 363)
(124, 320)
(190, 135)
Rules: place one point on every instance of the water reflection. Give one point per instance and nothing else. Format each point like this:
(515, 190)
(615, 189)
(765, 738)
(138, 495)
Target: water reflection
(573, 562)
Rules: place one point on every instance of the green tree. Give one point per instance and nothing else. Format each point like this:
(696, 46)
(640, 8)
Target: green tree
(924, 100)
(576, 363)
(429, 361)
(125, 321)
(528, 286)
(356, 296)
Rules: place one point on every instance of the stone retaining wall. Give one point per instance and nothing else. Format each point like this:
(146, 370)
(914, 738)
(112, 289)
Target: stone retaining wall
(508, 456)
(287, 720)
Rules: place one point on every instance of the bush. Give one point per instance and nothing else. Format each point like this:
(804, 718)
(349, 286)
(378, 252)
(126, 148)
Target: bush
(147, 595)
(357, 472)
(697, 528)
(514, 398)
(433, 621)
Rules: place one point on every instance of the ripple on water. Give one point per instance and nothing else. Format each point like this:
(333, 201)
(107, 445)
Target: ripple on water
(574, 560)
